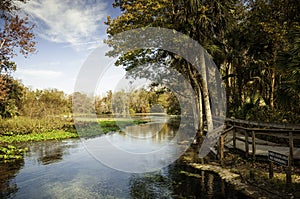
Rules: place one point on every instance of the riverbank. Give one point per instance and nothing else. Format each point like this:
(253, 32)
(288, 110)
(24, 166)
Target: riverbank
(14, 132)
(248, 177)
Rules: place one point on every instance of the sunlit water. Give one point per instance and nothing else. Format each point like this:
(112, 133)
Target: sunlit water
(65, 169)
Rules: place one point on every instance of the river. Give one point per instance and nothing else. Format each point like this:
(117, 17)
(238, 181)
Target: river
(67, 169)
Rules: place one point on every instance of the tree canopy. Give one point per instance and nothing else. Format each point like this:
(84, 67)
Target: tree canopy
(15, 33)
(254, 44)
(16, 37)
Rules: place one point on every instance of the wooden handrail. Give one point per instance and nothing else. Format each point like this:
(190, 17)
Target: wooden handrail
(264, 124)
(268, 130)
(250, 128)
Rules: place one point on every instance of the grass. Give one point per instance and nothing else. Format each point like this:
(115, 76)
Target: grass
(91, 129)
(52, 135)
(23, 129)
(26, 125)
(112, 125)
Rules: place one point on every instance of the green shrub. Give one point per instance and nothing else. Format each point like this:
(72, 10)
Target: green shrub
(26, 125)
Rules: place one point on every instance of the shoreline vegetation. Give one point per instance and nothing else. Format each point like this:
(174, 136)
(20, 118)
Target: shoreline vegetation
(18, 130)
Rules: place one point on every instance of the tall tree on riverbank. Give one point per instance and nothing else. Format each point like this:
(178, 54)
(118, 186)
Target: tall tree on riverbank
(11, 96)
(16, 36)
(204, 21)
(253, 43)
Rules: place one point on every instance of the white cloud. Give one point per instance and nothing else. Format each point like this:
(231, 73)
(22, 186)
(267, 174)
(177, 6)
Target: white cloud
(40, 74)
(75, 22)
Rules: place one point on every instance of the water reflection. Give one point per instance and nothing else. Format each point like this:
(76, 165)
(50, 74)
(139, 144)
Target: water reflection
(8, 171)
(137, 149)
(155, 133)
(178, 181)
(49, 151)
(64, 169)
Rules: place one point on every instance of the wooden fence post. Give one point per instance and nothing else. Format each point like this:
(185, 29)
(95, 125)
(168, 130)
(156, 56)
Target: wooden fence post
(291, 145)
(221, 148)
(234, 137)
(253, 145)
(271, 169)
(291, 160)
(289, 174)
(246, 144)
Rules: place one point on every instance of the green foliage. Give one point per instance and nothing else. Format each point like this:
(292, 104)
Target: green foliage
(23, 129)
(89, 129)
(51, 135)
(11, 153)
(112, 125)
(15, 100)
(15, 35)
(11, 95)
(25, 125)
(289, 68)
(264, 62)
(138, 101)
(42, 103)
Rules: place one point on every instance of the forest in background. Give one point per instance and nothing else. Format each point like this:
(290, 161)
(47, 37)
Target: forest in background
(255, 45)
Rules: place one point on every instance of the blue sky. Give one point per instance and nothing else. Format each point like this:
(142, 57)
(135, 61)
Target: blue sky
(67, 32)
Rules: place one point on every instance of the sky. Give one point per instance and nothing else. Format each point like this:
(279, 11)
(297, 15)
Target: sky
(67, 32)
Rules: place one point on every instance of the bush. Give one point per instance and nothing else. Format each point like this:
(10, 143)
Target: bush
(26, 125)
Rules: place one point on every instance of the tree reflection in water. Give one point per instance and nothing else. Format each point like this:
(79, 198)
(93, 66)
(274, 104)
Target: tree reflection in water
(46, 152)
(8, 171)
(179, 181)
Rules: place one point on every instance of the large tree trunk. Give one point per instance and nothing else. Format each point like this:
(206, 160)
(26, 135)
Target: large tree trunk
(201, 125)
(205, 92)
(197, 87)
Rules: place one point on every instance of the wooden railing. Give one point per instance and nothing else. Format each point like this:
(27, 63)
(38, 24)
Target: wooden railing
(250, 132)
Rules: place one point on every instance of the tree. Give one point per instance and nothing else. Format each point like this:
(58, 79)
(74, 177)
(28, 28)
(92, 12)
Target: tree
(15, 34)
(103, 105)
(204, 21)
(42, 103)
(139, 101)
(289, 68)
(256, 80)
(11, 96)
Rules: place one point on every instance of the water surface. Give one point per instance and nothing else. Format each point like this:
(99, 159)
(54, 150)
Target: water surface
(65, 169)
